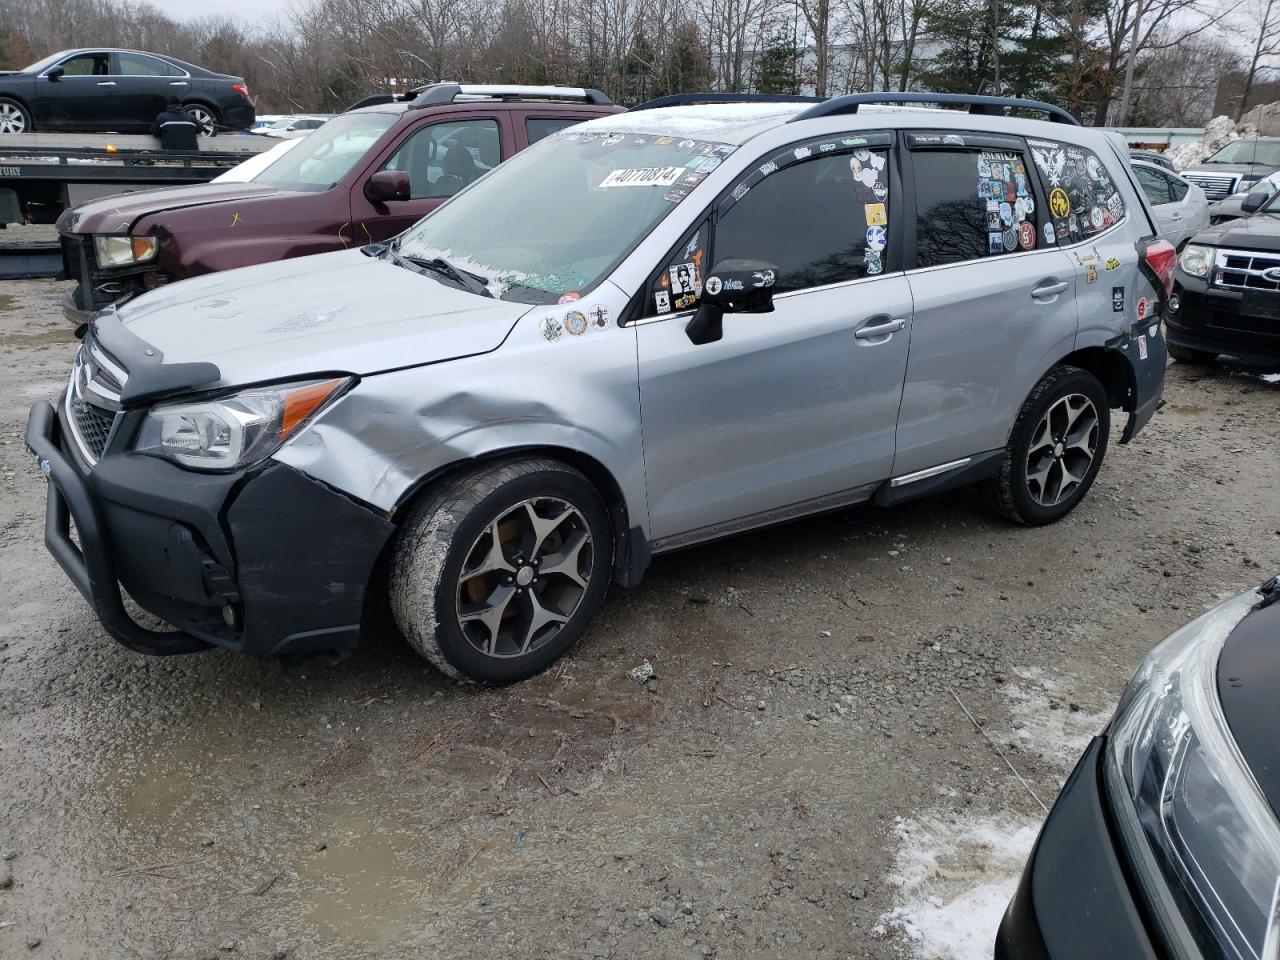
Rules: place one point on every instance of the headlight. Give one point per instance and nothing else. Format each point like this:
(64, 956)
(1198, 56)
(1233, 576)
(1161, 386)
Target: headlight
(1200, 834)
(1196, 260)
(123, 251)
(237, 430)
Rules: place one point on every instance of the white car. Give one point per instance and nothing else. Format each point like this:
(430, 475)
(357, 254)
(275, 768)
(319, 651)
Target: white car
(246, 170)
(1181, 208)
(291, 128)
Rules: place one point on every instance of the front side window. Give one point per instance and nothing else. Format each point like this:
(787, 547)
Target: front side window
(956, 221)
(823, 218)
(443, 158)
(1083, 200)
(1264, 152)
(86, 65)
(557, 218)
(136, 65)
(326, 156)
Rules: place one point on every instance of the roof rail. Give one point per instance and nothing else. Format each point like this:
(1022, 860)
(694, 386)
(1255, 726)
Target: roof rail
(442, 93)
(988, 106)
(684, 99)
(372, 100)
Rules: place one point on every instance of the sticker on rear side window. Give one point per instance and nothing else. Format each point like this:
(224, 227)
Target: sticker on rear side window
(1083, 199)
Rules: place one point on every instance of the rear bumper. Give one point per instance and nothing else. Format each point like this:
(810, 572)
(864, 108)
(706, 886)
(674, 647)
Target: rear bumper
(1075, 898)
(237, 115)
(1212, 320)
(265, 561)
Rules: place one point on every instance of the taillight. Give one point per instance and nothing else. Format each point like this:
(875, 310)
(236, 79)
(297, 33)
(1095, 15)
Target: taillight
(1161, 257)
(241, 89)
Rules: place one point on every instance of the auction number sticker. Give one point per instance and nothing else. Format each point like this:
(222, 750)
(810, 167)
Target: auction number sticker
(643, 177)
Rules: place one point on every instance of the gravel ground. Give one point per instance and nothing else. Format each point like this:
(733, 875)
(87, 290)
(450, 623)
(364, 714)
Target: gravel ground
(798, 779)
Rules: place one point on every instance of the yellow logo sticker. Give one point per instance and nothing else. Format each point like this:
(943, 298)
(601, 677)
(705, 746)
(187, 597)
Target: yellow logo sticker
(1112, 263)
(1059, 204)
(876, 216)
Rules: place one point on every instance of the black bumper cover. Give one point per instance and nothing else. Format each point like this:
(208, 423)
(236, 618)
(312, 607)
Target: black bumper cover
(1075, 898)
(288, 556)
(1215, 321)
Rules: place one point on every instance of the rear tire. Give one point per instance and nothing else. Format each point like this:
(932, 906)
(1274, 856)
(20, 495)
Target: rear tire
(1197, 358)
(1055, 449)
(14, 117)
(204, 115)
(498, 572)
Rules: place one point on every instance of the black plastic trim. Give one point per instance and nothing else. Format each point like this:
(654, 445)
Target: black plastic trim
(149, 375)
(688, 99)
(986, 106)
(980, 467)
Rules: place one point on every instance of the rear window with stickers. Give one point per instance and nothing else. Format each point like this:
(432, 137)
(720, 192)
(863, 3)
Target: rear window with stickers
(585, 199)
(972, 204)
(1083, 199)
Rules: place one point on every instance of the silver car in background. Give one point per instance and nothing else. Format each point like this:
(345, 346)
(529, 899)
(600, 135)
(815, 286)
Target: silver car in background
(644, 332)
(1180, 206)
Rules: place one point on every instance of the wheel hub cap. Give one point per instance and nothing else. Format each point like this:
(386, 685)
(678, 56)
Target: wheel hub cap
(524, 577)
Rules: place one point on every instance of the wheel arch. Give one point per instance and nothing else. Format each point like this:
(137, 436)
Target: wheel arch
(631, 547)
(1111, 368)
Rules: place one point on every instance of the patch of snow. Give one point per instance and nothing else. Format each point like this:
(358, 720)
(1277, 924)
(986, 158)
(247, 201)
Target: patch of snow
(955, 877)
(1060, 734)
(1218, 132)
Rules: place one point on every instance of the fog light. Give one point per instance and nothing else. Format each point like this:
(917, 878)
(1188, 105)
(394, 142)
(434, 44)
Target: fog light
(1174, 303)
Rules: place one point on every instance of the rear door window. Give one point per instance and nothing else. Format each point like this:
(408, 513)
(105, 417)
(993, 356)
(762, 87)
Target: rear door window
(971, 204)
(537, 128)
(1155, 186)
(1083, 199)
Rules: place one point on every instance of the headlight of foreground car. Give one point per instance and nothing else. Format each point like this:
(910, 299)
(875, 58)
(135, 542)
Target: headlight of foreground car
(123, 251)
(1196, 260)
(1201, 837)
(234, 431)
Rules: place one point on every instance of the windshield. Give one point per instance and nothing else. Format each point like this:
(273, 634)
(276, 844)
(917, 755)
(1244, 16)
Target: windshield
(44, 64)
(324, 157)
(1266, 152)
(552, 222)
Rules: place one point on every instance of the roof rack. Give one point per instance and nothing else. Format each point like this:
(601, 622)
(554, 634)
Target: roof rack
(684, 99)
(987, 106)
(442, 93)
(372, 100)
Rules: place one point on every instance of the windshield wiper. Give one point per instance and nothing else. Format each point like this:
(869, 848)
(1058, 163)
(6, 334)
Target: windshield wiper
(440, 265)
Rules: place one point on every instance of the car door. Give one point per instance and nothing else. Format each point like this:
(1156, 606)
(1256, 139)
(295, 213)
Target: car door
(794, 410)
(80, 97)
(143, 86)
(1169, 214)
(994, 299)
(441, 158)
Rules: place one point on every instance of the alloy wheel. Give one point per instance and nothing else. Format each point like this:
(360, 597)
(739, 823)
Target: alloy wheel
(524, 577)
(1062, 449)
(206, 120)
(12, 119)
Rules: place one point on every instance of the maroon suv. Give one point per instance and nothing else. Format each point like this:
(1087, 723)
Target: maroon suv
(364, 176)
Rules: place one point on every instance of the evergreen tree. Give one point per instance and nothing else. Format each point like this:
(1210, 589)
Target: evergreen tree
(778, 60)
(688, 65)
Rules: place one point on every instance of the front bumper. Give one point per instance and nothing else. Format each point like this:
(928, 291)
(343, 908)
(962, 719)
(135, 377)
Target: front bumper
(97, 288)
(1222, 321)
(1075, 898)
(265, 561)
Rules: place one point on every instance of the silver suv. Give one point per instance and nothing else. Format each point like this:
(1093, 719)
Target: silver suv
(649, 330)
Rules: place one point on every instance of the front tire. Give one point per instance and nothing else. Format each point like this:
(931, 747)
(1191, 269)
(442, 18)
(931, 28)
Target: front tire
(497, 573)
(1055, 449)
(1197, 358)
(14, 117)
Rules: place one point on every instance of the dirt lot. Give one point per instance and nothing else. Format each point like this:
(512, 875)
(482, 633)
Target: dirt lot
(799, 780)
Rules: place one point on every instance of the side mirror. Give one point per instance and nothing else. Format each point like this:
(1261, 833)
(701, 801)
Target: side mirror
(387, 185)
(1254, 201)
(55, 74)
(732, 286)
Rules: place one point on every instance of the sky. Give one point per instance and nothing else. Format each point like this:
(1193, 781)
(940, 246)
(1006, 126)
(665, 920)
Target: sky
(245, 10)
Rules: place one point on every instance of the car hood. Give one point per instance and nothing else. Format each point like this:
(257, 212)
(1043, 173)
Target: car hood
(1233, 169)
(1257, 232)
(326, 313)
(117, 214)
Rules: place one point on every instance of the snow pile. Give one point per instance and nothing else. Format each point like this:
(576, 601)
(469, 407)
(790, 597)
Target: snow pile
(955, 878)
(1217, 133)
(1045, 724)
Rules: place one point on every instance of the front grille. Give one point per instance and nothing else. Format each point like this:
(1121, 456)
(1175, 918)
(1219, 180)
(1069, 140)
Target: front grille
(1247, 270)
(1216, 186)
(93, 397)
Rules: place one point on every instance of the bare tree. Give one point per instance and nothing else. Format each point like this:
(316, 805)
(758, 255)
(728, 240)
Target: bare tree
(1264, 19)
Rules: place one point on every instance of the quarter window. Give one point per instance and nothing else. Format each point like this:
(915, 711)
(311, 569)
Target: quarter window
(971, 204)
(443, 158)
(823, 220)
(1083, 199)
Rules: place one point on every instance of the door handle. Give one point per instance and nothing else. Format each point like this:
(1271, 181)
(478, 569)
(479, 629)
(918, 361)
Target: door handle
(106, 83)
(1049, 289)
(177, 83)
(877, 327)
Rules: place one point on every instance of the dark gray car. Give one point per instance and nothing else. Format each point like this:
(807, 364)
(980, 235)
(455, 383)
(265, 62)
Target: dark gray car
(1236, 167)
